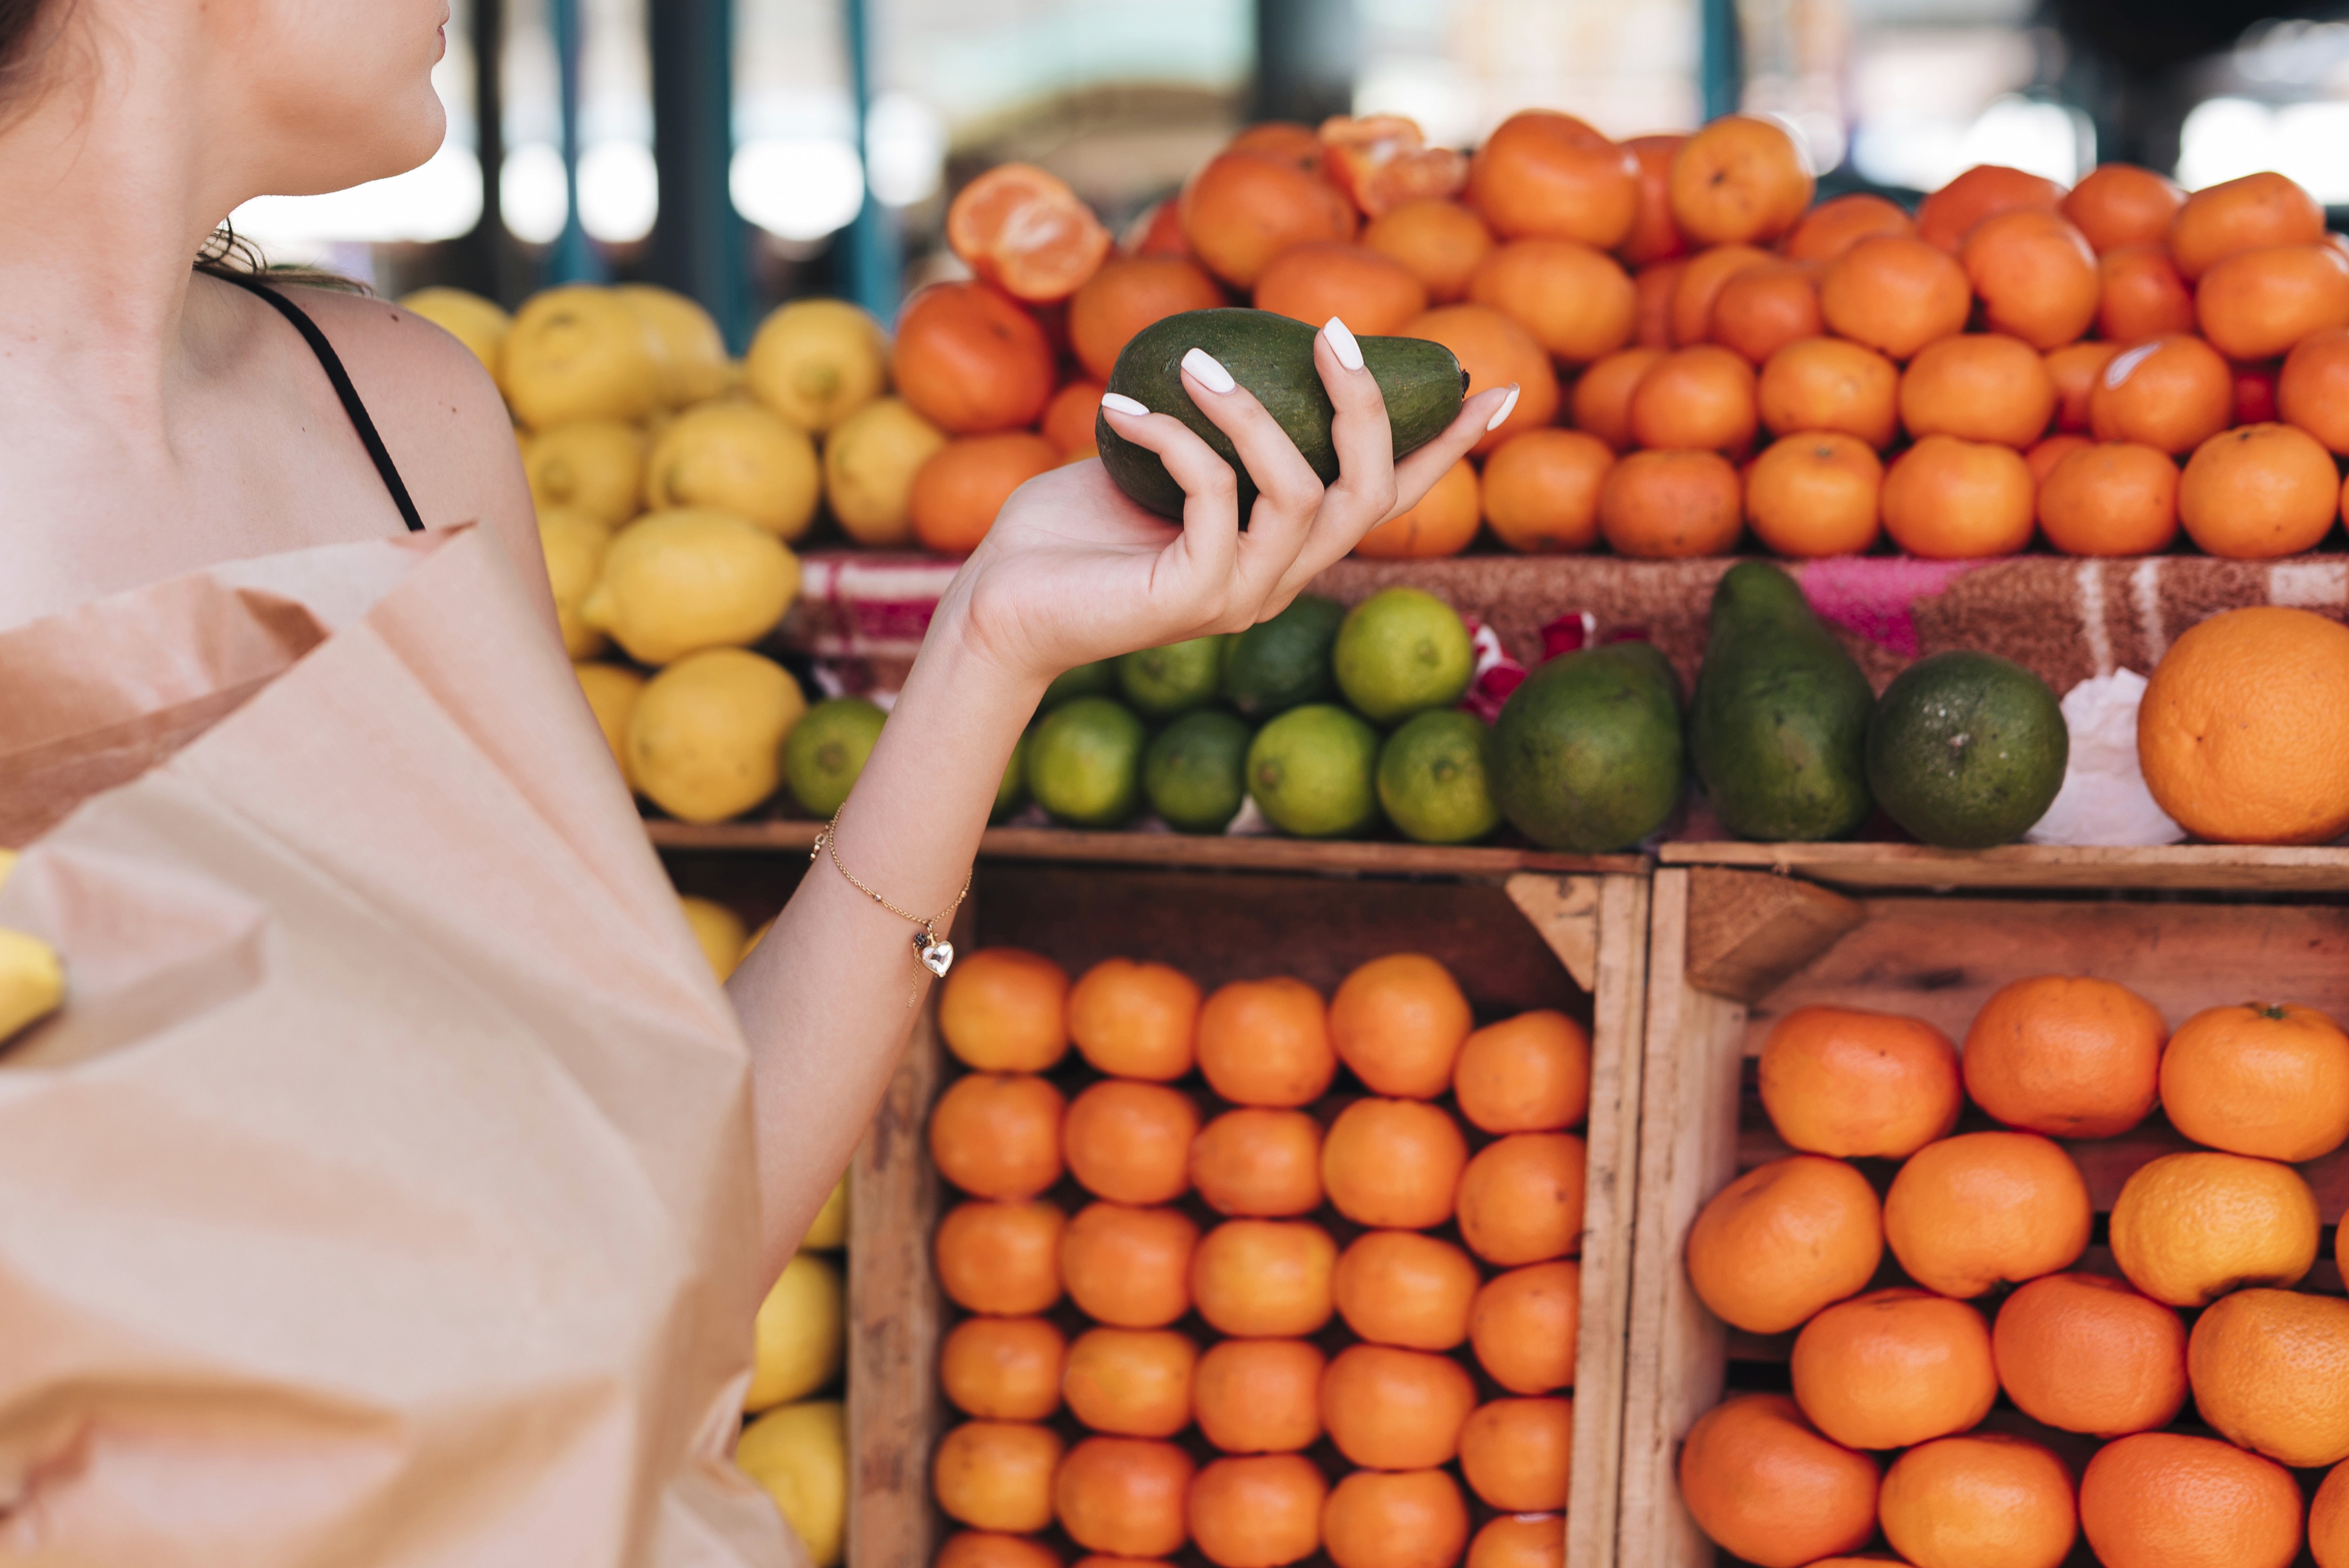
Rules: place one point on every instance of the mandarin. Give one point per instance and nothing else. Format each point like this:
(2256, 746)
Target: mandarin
(1740, 178)
(1828, 383)
(2065, 1055)
(1136, 1382)
(1521, 1198)
(1267, 1042)
(1134, 1020)
(1495, 352)
(1576, 301)
(1242, 209)
(1894, 1367)
(956, 494)
(1388, 1408)
(2117, 204)
(1260, 1396)
(1286, 139)
(1895, 294)
(1258, 1512)
(1521, 1541)
(1264, 1278)
(2188, 1228)
(1130, 1143)
(1393, 1162)
(1373, 294)
(1839, 222)
(2034, 274)
(1441, 244)
(1124, 1496)
(1003, 1368)
(2259, 491)
(1442, 522)
(1760, 310)
(1654, 237)
(1653, 288)
(1699, 283)
(1127, 294)
(2247, 214)
(1984, 1209)
(1525, 1325)
(2085, 1354)
(2256, 304)
(1402, 1288)
(1948, 215)
(2312, 391)
(1155, 231)
(2244, 727)
(1845, 1081)
(1526, 1074)
(1815, 493)
(1696, 397)
(997, 1135)
(2141, 295)
(990, 1549)
(2328, 1519)
(1783, 1241)
(2172, 394)
(1001, 1259)
(1399, 1022)
(1759, 1479)
(1069, 420)
(1545, 174)
(2074, 370)
(1258, 1162)
(2050, 450)
(1126, 1266)
(1413, 1520)
(1601, 401)
(1949, 500)
(2269, 1371)
(1002, 1009)
(2260, 1078)
(1517, 1453)
(1670, 505)
(1540, 489)
(1987, 1501)
(971, 360)
(2255, 392)
(2164, 1500)
(1977, 387)
(1025, 230)
(996, 1475)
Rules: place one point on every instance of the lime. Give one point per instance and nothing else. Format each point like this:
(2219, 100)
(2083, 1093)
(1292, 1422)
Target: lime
(1966, 750)
(1096, 679)
(1587, 754)
(1277, 664)
(1401, 651)
(1084, 762)
(1195, 771)
(827, 750)
(1432, 779)
(1012, 793)
(1310, 770)
(1163, 682)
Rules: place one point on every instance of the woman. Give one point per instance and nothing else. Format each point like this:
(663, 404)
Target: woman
(155, 420)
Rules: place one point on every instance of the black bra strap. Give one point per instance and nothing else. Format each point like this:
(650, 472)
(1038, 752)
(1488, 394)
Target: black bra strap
(332, 365)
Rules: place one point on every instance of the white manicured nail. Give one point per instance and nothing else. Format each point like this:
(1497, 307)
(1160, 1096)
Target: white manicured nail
(1119, 403)
(1208, 371)
(1508, 406)
(1343, 343)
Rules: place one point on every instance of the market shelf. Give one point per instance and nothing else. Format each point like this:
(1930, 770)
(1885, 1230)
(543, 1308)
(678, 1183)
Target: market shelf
(2203, 868)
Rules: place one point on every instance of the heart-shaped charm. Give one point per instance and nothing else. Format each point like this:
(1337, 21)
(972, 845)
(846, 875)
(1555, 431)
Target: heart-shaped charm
(937, 957)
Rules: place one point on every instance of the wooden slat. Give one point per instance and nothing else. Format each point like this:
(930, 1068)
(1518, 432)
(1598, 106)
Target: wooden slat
(2210, 868)
(1747, 932)
(1565, 910)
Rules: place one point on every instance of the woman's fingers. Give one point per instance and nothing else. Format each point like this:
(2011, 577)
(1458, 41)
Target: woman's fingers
(1477, 418)
(1208, 546)
(1288, 489)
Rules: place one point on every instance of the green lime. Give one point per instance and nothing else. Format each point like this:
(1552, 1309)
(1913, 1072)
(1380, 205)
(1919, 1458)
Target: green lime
(1277, 664)
(1587, 754)
(1966, 750)
(1096, 679)
(1194, 772)
(1012, 793)
(1163, 682)
(1084, 762)
(1432, 779)
(827, 749)
(1401, 651)
(1310, 770)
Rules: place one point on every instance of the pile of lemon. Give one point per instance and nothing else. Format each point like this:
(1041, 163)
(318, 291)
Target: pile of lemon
(671, 481)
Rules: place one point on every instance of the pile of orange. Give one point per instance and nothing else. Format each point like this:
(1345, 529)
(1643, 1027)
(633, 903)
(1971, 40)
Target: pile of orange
(2096, 367)
(1994, 1390)
(1258, 1275)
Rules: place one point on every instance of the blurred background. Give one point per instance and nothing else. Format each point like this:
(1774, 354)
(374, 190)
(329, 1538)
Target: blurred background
(746, 152)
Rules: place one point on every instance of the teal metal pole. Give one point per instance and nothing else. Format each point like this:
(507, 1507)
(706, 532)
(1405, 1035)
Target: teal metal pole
(876, 254)
(1720, 69)
(575, 260)
(700, 246)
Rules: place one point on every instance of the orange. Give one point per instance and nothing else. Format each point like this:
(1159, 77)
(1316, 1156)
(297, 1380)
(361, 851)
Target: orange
(1948, 215)
(2245, 726)
(1003, 1368)
(1382, 161)
(1262, 1395)
(1242, 209)
(2313, 392)
(1136, 1382)
(1989, 1500)
(1760, 310)
(971, 360)
(1393, 1162)
(1267, 1042)
(2259, 491)
(1577, 302)
(1026, 232)
(1894, 1367)
(1548, 174)
(1654, 288)
(2188, 1228)
(1667, 505)
(2163, 1500)
(1395, 1409)
(1069, 420)
(1003, 1259)
(1001, 1010)
(1541, 488)
(2256, 304)
(997, 1135)
(1815, 493)
(1128, 294)
(1516, 1453)
(2328, 1520)
(1262, 1163)
(1739, 178)
(1441, 244)
(1827, 384)
(1845, 1081)
(1399, 1022)
(1701, 396)
(1282, 139)
(987, 1549)
(2247, 214)
(1984, 1209)
(1839, 222)
(1699, 283)
(2074, 370)
(1519, 1540)
(1601, 401)
(2085, 1354)
(1495, 352)
(1977, 387)
(1401, 1288)
(1258, 1512)
(2172, 392)
(1371, 293)
(1264, 1278)
(1124, 1496)
(1134, 1020)
(1527, 1074)
(1949, 500)
(2113, 498)
(1155, 231)
(2141, 295)
(1521, 1198)
(1130, 1143)
(2260, 1078)
(2050, 450)
(1126, 1266)
(1654, 237)
(1444, 522)
(2034, 274)
(1784, 1240)
(957, 493)
(2065, 1054)
(1761, 1481)
(1413, 1520)
(2117, 204)
(2269, 1370)
(996, 1475)
(1523, 1325)
(1895, 294)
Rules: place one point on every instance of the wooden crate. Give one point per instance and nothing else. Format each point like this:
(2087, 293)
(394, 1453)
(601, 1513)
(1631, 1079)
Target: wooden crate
(1732, 950)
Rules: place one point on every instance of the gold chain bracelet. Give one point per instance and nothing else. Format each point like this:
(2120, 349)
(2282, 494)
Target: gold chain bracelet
(936, 952)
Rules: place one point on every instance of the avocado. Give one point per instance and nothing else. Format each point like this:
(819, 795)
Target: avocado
(1272, 356)
(1778, 725)
(1587, 753)
(1967, 751)
(1276, 665)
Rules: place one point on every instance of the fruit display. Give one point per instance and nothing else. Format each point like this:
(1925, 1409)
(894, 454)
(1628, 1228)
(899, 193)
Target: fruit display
(795, 1443)
(1254, 1277)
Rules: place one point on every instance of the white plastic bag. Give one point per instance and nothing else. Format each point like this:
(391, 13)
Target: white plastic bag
(2103, 800)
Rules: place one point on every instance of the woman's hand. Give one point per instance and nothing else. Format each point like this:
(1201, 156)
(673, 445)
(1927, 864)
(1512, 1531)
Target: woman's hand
(1073, 570)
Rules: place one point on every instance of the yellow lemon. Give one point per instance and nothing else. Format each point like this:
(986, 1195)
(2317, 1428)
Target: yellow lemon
(869, 465)
(829, 1230)
(32, 980)
(675, 582)
(718, 930)
(595, 465)
(612, 693)
(706, 742)
(799, 1454)
(741, 459)
(479, 324)
(692, 353)
(8, 864)
(817, 361)
(574, 544)
(800, 1335)
(579, 353)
